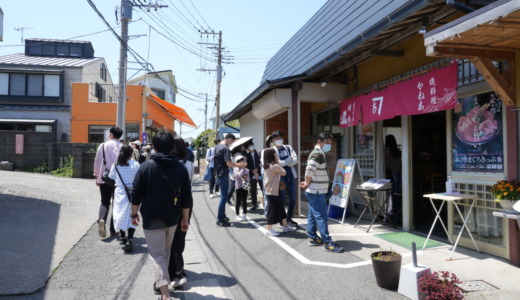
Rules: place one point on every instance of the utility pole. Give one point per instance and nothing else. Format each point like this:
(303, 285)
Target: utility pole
(205, 111)
(126, 17)
(219, 49)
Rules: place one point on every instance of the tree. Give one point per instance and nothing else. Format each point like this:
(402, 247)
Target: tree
(205, 139)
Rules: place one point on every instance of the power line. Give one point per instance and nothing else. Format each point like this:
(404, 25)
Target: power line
(209, 27)
(192, 15)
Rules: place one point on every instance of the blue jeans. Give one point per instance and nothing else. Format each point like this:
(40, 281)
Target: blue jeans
(291, 191)
(317, 218)
(223, 182)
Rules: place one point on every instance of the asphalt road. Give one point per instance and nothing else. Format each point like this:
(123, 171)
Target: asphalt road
(260, 267)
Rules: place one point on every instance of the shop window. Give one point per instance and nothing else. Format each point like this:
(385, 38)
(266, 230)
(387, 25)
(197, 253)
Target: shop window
(364, 148)
(132, 131)
(96, 133)
(328, 121)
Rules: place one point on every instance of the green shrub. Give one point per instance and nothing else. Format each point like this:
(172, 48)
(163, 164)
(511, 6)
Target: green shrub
(66, 167)
(43, 168)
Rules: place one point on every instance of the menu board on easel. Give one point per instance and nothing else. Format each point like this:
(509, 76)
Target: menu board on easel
(346, 176)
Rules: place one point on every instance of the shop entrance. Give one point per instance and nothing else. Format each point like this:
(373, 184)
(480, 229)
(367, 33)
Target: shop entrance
(429, 169)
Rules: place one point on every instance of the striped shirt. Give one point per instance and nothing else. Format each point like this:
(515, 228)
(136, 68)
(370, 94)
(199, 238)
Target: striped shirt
(317, 169)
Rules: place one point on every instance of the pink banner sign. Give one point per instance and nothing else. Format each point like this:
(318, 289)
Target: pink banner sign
(431, 92)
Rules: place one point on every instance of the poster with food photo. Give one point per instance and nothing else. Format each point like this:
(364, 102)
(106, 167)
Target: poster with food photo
(478, 134)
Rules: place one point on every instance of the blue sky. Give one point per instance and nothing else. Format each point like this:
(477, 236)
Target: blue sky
(252, 32)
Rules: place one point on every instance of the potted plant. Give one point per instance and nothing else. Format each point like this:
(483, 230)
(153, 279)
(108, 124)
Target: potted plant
(387, 268)
(506, 193)
(441, 285)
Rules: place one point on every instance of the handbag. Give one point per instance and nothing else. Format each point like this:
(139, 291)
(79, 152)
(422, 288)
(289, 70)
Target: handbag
(207, 174)
(106, 172)
(283, 187)
(128, 190)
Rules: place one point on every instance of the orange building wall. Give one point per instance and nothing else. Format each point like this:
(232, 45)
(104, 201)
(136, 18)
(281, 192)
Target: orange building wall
(86, 113)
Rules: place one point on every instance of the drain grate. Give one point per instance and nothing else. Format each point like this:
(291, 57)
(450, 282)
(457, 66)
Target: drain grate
(476, 285)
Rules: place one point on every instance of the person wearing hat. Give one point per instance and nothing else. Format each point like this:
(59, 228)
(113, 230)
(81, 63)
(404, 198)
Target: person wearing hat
(241, 176)
(136, 145)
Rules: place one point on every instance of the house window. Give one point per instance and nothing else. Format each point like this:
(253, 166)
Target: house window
(160, 93)
(43, 128)
(30, 85)
(75, 51)
(103, 72)
(17, 85)
(48, 49)
(35, 49)
(35, 85)
(62, 50)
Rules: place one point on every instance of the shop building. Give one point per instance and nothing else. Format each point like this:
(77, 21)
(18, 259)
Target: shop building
(146, 114)
(350, 49)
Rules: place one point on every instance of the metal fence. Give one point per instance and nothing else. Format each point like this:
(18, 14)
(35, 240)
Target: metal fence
(102, 93)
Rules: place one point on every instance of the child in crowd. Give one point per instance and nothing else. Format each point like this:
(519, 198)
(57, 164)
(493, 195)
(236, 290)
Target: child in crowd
(241, 176)
(275, 209)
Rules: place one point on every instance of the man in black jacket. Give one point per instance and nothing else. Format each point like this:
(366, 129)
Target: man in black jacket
(162, 189)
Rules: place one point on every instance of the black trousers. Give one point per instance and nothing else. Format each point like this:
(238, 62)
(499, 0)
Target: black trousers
(254, 190)
(241, 198)
(176, 263)
(231, 190)
(107, 192)
(212, 184)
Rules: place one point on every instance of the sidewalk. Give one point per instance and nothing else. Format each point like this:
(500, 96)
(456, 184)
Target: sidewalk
(468, 265)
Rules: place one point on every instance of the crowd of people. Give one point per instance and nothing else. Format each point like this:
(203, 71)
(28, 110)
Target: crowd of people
(155, 181)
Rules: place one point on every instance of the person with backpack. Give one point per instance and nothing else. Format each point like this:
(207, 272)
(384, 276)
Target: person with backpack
(106, 156)
(162, 194)
(288, 159)
(123, 173)
(241, 175)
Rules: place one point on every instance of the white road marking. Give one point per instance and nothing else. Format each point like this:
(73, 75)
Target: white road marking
(305, 260)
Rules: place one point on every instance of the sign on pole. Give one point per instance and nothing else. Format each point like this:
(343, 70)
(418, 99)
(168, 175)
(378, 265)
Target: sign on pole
(346, 176)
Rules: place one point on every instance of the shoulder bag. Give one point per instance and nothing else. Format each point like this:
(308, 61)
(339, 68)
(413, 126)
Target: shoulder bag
(106, 172)
(128, 190)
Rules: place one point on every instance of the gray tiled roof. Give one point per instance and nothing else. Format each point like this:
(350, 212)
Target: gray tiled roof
(19, 59)
(35, 107)
(335, 24)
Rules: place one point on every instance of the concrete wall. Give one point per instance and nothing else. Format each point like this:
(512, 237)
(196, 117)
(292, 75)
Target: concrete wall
(39, 148)
(35, 148)
(91, 73)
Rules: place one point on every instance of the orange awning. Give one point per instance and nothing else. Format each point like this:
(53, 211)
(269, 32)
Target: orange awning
(178, 113)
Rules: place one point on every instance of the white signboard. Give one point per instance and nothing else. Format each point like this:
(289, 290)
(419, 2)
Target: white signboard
(346, 177)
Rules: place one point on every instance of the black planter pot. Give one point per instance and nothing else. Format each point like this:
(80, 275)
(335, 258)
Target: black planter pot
(387, 272)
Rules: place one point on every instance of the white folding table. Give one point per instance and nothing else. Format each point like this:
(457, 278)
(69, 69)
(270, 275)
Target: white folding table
(451, 198)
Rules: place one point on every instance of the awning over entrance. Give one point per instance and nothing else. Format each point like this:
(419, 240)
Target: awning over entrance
(427, 93)
(176, 112)
(489, 34)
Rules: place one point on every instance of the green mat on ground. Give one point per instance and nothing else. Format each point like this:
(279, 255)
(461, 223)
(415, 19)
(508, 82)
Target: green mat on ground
(405, 239)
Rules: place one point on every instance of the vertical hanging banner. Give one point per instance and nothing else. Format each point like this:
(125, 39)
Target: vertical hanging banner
(431, 92)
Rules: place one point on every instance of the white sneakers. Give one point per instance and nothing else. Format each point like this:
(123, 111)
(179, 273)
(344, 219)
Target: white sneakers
(272, 233)
(211, 196)
(178, 282)
(288, 228)
(241, 217)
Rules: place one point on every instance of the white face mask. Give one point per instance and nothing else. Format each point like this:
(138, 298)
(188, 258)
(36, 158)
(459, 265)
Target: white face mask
(251, 148)
(279, 142)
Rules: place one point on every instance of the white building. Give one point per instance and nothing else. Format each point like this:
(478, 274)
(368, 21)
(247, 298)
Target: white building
(162, 84)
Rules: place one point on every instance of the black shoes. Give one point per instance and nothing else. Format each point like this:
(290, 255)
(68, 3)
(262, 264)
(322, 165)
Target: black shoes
(129, 246)
(123, 241)
(224, 223)
(292, 223)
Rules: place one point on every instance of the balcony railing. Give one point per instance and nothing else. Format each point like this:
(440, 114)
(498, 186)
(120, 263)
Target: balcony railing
(102, 93)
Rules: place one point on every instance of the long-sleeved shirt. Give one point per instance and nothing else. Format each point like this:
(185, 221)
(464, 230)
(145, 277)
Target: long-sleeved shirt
(288, 158)
(272, 179)
(111, 153)
(210, 154)
(239, 174)
(317, 169)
